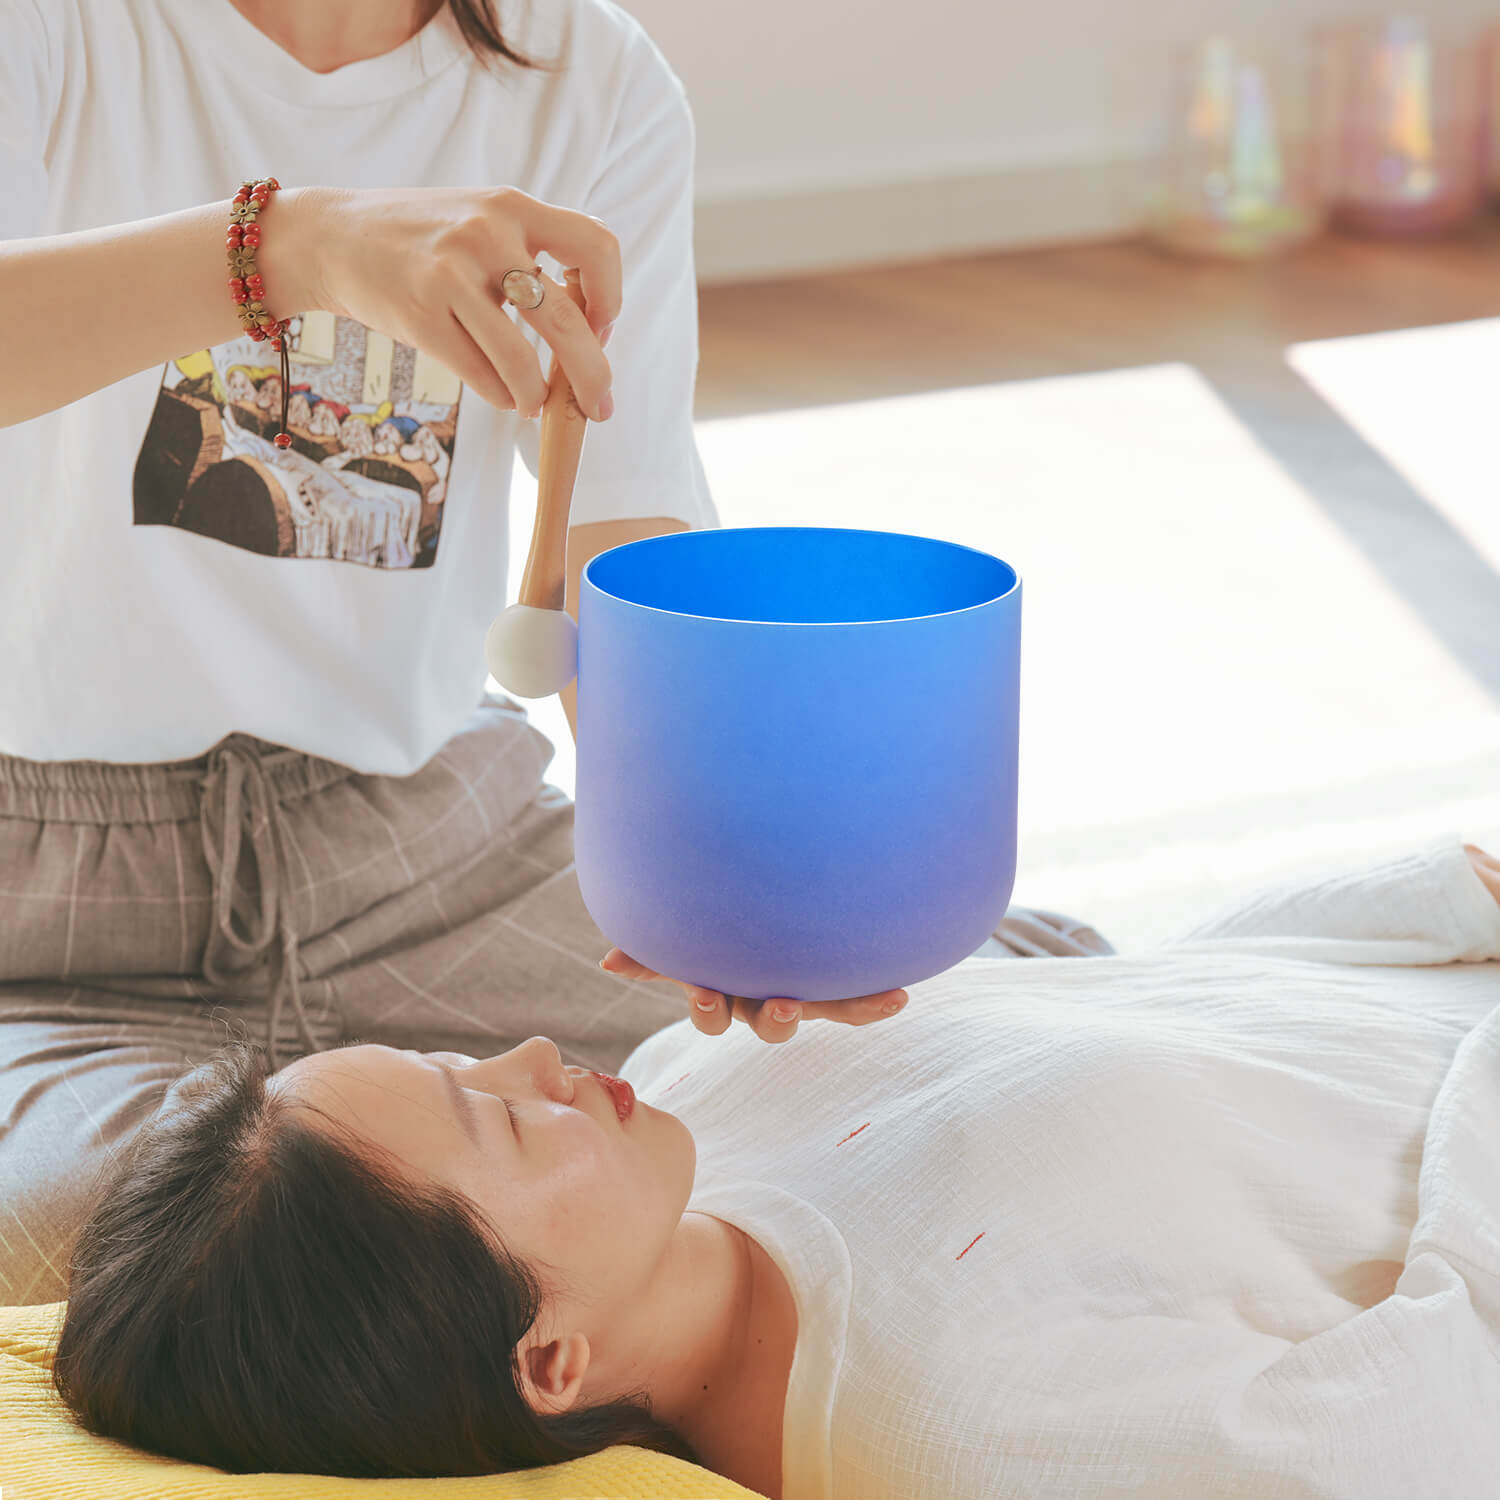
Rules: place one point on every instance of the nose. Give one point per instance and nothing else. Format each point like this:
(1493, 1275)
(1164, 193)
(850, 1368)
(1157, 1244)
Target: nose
(545, 1062)
(537, 1060)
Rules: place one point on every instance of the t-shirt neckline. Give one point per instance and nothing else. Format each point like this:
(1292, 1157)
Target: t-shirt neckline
(245, 47)
(815, 1260)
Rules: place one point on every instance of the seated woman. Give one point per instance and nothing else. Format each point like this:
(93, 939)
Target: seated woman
(1218, 1219)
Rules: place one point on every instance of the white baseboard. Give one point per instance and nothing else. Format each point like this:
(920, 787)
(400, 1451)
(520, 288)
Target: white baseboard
(746, 239)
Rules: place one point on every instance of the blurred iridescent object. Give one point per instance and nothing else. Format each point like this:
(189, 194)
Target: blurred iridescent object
(1404, 121)
(1236, 173)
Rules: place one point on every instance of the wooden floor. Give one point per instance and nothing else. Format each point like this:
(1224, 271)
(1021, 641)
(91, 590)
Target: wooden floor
(1305, 666)
(974, 319)
(978, 320)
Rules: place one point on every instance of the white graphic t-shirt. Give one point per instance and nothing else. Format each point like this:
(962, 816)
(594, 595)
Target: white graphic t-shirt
(172, 576)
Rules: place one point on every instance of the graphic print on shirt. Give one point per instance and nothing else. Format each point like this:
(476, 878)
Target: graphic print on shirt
(372, 423)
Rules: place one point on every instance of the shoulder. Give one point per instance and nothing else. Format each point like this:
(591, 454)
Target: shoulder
(24, 24)
(32, 57)
(57, 33)
(57, 19)
(598, 46)
(607, 28)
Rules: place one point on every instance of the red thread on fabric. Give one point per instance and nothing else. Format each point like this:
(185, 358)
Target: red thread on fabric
(852, 1134)
(672, 1086)
(971, 1244)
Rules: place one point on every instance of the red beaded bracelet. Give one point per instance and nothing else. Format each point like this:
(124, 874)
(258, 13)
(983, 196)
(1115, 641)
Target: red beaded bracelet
(245, 284)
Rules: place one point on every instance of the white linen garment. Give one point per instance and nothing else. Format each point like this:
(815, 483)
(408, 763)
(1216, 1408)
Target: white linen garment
(169, 576)
(1218, 1220)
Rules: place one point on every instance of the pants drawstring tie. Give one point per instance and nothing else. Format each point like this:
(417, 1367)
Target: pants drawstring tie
(237, 796)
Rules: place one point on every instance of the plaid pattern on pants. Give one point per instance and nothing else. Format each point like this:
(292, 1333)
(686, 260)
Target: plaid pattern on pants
(150, 913)
(438, 911)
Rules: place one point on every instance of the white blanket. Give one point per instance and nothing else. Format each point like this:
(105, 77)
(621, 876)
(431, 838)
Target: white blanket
(1220, 1220)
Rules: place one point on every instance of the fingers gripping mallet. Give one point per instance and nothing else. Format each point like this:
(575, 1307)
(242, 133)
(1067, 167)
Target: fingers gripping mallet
(531, 648)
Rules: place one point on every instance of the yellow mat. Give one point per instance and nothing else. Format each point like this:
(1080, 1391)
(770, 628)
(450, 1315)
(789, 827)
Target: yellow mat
(44, 1456)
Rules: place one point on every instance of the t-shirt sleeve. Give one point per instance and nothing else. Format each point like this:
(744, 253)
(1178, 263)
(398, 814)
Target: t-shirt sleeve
(644, 461)
(25, 94)
(1429, 907)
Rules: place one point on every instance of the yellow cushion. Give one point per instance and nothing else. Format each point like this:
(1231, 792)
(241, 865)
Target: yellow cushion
(44, 1456)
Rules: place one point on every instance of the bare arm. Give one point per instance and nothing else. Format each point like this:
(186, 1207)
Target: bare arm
(81, 311)
(1487, 868)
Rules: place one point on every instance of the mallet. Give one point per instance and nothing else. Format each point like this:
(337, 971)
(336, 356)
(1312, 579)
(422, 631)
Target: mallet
(531, 648)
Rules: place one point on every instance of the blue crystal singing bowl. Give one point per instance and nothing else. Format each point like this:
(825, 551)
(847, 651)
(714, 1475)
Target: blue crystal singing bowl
(796, 770)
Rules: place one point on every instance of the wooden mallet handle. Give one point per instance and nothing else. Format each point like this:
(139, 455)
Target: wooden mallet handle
(544, 583)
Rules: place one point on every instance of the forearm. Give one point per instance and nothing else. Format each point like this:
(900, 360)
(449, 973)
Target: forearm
(1487, 868)
(1417, 908)
(569, 697)
(81, 311)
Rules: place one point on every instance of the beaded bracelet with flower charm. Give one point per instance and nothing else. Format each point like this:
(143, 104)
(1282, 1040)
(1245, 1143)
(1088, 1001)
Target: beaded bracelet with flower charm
(247, 287)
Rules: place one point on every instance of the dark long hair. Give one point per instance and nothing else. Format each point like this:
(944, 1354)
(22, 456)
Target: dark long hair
(255, 1293)
(476, 19)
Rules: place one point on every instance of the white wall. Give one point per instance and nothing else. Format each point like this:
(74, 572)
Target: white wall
(834, 132)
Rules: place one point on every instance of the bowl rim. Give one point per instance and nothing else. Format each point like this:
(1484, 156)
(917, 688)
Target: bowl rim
(675, 538)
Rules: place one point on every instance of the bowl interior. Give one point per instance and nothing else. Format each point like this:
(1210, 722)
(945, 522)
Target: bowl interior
(800, 575)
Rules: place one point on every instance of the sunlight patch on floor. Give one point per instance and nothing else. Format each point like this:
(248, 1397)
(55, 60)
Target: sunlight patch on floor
(1219, 690)
(1425, 399)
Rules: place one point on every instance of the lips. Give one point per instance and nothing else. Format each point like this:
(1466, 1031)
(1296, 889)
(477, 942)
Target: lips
(621, 1094)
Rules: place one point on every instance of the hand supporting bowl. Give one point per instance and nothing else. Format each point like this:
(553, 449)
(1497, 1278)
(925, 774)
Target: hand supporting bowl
(797, 756)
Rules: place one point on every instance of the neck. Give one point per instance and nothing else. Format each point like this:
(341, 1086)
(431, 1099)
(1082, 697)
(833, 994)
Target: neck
(335, 33)
(710, 1335)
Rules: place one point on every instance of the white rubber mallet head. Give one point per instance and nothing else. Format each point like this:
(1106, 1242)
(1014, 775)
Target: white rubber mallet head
(531, 648)
(532, 652)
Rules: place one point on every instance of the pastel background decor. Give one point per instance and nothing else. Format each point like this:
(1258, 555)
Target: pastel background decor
(1236, 172)
(1405, 124)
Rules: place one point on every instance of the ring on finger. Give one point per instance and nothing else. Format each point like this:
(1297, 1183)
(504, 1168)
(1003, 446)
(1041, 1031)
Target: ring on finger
(523, 289)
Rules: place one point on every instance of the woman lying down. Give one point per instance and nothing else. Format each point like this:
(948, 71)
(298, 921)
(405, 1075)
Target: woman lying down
(1221, 1219)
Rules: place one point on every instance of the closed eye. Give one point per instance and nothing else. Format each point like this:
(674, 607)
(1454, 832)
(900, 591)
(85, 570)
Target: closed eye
(510, 1109)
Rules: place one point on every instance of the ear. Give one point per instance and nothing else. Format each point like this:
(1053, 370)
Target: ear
(552, 1371)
